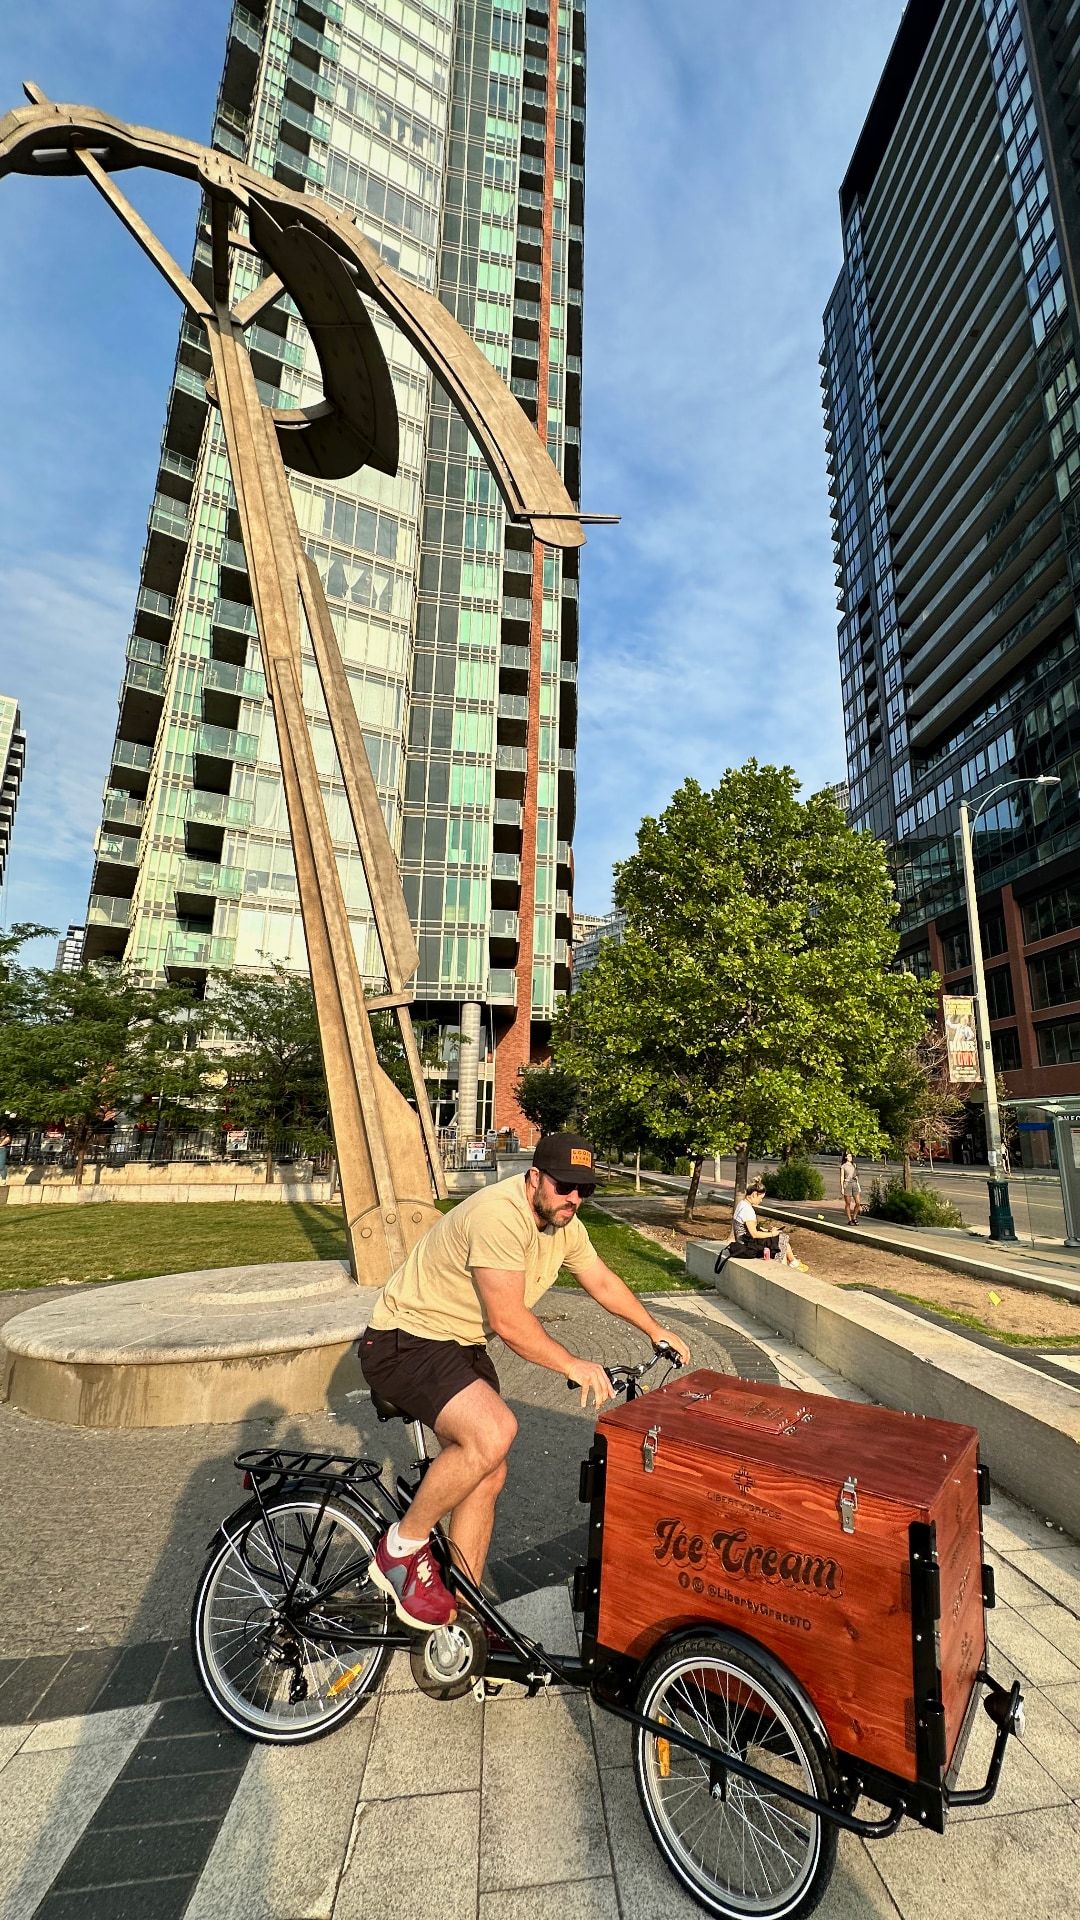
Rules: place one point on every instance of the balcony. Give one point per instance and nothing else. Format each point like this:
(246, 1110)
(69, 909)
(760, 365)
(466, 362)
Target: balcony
(105, 910)
(120, 810)
(305, 122)
(187, 952)
(207, 877)
(234, 557)
(515, 609)
(223, 743)
(319, 43)
(568, 672)
(502, 987)
(218, 810)
(513, 706)
(514, 659)
(265, 340)
(503, 924)
(308, 80)
(130, 764)
(223, 677)
(117, 849)
(510, 760)
(144, 677)
(506, 866)
(246, 29)
(563, 855)
(567, 760)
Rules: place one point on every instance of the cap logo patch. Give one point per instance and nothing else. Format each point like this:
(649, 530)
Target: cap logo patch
(580, 1157)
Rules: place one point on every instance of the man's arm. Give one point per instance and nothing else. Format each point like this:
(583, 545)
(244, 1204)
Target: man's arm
(610, 1292)
(502, 1296)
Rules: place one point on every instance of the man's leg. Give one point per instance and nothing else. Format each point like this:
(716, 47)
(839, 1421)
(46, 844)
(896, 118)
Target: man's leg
(476, 1431)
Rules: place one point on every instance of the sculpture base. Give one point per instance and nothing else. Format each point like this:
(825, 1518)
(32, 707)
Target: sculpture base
(233, 1343)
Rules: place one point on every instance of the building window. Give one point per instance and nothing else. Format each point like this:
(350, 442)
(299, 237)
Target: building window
(999, 994)
(1051, 913)
(1055, 977)
(994, 938)
(955, 950)
(1006, 1046)
(916, 962)
(1059, 1043)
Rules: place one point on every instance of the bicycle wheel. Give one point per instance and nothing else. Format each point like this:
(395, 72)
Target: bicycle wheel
(738, 1849)
(286, 1675)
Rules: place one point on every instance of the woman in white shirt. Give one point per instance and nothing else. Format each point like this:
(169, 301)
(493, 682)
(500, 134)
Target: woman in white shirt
(751, 1241)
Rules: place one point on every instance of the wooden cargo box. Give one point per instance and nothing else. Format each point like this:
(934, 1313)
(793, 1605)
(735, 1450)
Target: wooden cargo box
(846, 1539)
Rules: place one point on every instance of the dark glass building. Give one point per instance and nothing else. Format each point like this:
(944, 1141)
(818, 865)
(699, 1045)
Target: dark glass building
(952, 403)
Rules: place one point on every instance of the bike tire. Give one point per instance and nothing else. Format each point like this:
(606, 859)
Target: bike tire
(751, 1855)
(271, 1679)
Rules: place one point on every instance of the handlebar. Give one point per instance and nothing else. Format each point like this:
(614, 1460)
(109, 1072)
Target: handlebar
(623, 1378)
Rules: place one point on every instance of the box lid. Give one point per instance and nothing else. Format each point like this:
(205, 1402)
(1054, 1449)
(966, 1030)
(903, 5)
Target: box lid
(896, 1456)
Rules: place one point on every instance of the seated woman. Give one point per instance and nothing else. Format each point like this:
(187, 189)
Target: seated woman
(750, 1241)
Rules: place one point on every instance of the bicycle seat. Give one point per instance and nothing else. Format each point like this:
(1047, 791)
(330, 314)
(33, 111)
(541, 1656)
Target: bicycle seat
(386, 1410)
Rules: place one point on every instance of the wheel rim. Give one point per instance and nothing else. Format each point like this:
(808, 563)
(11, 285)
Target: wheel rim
(276, 1675)
(754, 1849)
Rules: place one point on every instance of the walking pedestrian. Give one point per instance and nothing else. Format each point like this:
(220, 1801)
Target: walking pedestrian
(850, 1190)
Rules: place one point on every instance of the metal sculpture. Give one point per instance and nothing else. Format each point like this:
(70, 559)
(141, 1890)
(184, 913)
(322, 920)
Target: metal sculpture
(387, 1153)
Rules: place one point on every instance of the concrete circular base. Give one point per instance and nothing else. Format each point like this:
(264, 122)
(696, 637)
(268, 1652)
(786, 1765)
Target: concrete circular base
(233, 1343)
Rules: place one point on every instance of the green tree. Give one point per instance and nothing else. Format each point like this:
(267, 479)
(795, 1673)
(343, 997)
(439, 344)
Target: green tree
(76, 1048)
(547, 1096)
(752, 1000)
(268, 1059)
(917, 1101)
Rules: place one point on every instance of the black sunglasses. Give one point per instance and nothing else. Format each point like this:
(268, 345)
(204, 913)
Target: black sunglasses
(566, 1187)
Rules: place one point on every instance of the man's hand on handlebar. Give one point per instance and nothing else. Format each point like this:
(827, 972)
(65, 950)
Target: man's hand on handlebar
(673, 1343)
(592, 1378)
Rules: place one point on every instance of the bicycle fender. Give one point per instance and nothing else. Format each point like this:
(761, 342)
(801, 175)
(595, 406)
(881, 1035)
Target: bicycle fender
(774, 1667)
(239, 1517)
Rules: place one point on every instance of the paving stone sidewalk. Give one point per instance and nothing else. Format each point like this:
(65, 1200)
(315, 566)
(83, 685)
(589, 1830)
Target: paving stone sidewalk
(122, 1796)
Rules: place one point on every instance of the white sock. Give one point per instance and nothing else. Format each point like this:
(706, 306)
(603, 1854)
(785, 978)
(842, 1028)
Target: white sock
(399, 1547)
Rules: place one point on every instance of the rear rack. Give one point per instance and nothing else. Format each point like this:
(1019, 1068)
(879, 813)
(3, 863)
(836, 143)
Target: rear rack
(330, 1472)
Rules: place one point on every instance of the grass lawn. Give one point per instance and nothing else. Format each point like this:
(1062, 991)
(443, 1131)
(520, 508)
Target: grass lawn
(41, 1246)
(642, 1263)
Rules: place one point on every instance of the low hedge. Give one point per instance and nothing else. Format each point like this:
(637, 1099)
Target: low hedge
(795, 1181)
(911, 1206)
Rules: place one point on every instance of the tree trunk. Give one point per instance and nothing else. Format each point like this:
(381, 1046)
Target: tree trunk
(637, 1171)
(692, 1190)
(907, 1171)
(742, 1168)
(269, 1174)
(80, 1157)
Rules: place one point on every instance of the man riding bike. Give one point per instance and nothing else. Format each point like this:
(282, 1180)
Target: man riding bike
(480, 1271)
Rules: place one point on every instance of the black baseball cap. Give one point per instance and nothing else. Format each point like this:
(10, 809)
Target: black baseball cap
(566, 1156)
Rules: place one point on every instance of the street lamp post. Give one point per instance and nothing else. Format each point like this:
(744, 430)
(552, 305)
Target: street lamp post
(1001, 1220)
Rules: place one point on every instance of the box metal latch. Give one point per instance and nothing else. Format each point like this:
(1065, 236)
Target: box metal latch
(650, 1446)
(848, 1503)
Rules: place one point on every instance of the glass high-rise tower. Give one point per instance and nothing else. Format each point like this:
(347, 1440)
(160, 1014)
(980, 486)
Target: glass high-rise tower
(12, 764)
(452, 131)
(952, 403)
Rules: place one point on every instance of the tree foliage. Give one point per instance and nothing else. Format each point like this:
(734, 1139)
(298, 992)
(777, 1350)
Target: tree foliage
(547, 1096)
(268, 1059)
(76, 1048)
(752, 1005)
(918, 1101)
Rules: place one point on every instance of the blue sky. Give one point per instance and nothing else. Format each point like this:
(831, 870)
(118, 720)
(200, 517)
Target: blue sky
(717, 137)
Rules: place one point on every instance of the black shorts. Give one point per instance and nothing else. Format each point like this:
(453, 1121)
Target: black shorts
(421, 1376)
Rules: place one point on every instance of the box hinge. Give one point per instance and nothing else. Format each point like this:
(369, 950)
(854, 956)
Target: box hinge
(989, 1592)
(580, 1588)
(650, 1447)
(925, 1586)
(983, 1475)
(848, 1503)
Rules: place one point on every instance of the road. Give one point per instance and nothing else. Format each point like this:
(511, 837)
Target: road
(1036, 1198)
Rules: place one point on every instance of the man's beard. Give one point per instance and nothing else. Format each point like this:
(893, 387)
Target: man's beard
(551, 1214)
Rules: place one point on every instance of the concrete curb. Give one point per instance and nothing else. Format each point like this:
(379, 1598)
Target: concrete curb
(930, 1256)
(1029, 1424)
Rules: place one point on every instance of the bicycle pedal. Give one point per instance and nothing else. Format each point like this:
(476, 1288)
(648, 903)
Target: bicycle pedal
(484, 1689)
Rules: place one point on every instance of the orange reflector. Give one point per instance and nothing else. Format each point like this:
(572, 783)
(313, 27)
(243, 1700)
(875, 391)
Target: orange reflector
(346, 1680)
(663, 1752)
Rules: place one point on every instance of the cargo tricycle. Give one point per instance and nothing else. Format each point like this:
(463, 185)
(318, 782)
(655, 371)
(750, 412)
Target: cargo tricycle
(784, 1599)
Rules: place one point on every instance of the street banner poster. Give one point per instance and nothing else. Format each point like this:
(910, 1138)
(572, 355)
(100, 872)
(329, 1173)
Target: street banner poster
(959, 1011)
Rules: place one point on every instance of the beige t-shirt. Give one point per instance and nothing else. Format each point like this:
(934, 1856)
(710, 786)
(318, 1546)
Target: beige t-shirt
(433, 1296)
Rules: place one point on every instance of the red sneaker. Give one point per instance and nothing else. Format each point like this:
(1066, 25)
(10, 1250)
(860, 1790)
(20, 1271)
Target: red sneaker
(414, 1586)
